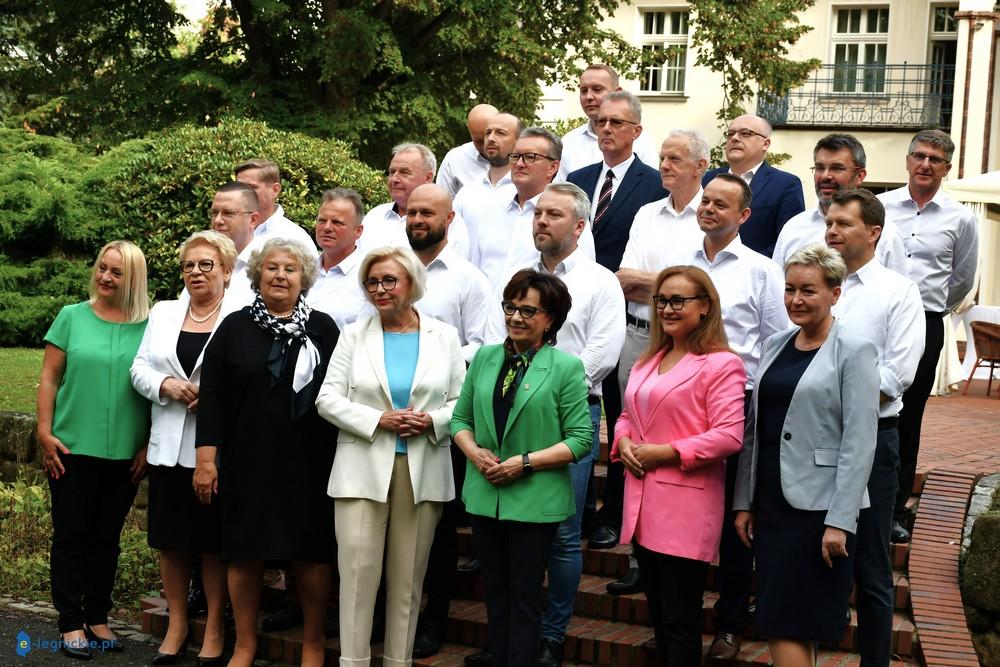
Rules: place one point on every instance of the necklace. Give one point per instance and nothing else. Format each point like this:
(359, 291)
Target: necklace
(281, 316)
(405, 326)
(207, 317)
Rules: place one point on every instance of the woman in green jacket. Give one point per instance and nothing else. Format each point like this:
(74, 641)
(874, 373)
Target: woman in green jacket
(521, 418)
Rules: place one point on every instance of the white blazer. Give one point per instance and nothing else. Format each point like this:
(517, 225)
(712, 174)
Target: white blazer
(355, 393)
(171, 437)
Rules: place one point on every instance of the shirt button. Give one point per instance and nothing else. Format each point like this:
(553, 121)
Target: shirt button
(788, 436)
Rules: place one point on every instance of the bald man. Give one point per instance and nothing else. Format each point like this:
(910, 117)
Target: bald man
(467, 163)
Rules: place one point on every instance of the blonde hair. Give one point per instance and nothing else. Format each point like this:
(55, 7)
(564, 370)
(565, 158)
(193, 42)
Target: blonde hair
(827, 260)
(305, 258)
(133, 297)
(414, 268)
(709, 335)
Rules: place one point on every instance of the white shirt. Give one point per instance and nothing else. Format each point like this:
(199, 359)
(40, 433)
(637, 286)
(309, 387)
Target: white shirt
(337, 291)
(506, 240)
(942, 246)
(747, 175)
(581, 149)
(594, 329)
(461, 165)
(473, 201)
(619, 172)
(661, 237)
(809, 227)
(280, 227)
(458, 293)
(752, 295)
(885, 308)
(383, 226)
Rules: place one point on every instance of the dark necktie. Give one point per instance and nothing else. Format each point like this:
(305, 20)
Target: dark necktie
(604, 200)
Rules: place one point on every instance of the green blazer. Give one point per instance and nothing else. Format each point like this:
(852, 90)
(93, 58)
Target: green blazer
(550, 407)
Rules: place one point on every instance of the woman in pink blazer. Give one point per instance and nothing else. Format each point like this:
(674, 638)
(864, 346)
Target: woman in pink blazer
(683, 415)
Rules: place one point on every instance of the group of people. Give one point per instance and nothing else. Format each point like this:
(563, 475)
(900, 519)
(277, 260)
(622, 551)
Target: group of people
(763, 371)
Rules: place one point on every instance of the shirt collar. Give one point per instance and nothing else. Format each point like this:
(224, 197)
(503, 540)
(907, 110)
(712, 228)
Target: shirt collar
(734, 248)
(278, 214)
(563, 267)
(444, 258)
(504, 180)
(346, 265)
(864, 274)
(513, 205)
(668, 204)
(619, 169)
(753, 170)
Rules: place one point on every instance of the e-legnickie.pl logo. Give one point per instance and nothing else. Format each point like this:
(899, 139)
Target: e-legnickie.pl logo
(25, 644)
(23, 647)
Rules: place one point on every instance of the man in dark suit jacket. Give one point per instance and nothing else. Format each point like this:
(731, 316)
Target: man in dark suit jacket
(777, 195)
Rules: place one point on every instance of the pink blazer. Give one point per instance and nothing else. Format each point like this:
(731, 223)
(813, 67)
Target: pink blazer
(697, 407)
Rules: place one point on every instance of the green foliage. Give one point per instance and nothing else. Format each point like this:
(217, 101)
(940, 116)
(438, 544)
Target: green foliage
(564, 125)
(31, 295)
(19, 370)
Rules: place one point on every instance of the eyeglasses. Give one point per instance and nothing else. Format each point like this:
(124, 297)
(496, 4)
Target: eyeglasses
(676, 303)
(527, 312)
(615, 123)
(743, 134)
(388, 284)
(226, 213)
(204, 265)
(529, 158)
(934, 159)
(835, 169)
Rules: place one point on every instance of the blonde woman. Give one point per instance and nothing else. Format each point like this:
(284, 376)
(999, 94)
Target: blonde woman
(92, 430)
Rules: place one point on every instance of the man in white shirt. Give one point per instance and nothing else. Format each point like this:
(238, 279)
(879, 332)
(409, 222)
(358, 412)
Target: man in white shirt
(265, 179)
(580, 146)
(235, 213)
(838, 164)
(942, 251)
(885, 308)
(337, 291)
(504, 239)
(412, 165)
(751, 294)
(473, 200)
(467, 163)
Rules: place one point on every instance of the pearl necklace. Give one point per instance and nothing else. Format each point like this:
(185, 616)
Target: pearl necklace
(207, 317)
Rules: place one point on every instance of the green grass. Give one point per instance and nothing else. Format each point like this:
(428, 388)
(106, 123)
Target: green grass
(19, 369)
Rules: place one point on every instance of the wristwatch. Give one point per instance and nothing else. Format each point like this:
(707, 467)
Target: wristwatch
(526, 467)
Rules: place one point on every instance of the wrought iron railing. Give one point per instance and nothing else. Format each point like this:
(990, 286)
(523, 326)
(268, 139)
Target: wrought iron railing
(867, 96)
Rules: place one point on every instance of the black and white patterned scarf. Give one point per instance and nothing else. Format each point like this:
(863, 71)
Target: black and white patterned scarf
(286, 330)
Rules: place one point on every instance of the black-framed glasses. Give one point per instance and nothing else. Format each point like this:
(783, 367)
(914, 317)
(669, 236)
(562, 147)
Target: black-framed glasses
(529, 158)
(388, 284)
(204, 265)
(675, 302)
(934, 159)
(227, 214)
(743, 134)
(615, 123)
(835, 169)
(527, 312)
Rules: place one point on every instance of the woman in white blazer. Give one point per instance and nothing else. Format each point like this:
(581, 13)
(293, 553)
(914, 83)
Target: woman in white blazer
(807, 454)
(390, 387)
(167, 371)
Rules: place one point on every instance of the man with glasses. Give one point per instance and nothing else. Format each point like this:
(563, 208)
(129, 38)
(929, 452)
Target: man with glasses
(777, 195)
(838, 164)
(265, 179)
(504, 239)
(942, 250)
(235, 213)
(467, 163)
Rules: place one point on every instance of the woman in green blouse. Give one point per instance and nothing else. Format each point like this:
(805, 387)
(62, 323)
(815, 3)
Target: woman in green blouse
(92, 431)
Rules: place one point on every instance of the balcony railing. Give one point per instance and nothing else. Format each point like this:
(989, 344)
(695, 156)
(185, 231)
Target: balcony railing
(867, 96)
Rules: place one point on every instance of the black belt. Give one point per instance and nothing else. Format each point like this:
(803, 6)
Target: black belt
(637, 321)
(930, 314)
(887, 422)
(593, 400)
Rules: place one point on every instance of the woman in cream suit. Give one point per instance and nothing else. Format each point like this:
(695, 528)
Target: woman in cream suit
(167, 371)
(806, 458)
(391, 386)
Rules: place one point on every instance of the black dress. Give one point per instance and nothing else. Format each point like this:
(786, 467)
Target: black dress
(798, 596)
(273, 468)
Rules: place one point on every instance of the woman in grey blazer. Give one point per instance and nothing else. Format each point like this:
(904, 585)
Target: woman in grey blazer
(807, 454)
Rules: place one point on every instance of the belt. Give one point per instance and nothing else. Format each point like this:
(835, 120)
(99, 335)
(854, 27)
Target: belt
(636, 321)
(887, 422)
(593, 400)
(930, 314)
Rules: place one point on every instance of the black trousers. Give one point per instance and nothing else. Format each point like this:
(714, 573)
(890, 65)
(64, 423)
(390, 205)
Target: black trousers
(610, 514)
(513, 557)
(89, 505)
(673, 587)
(914, 402)
(439, 581)
(872, 561)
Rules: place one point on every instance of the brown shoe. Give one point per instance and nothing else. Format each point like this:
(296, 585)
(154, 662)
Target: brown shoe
(725, 646)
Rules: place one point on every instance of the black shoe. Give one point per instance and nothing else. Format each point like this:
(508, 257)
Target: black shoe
(285, 618)
(550, 653)
(428, 641)
(76, 649)
(603, 538)
(627, 584)
(481, 659)
(172, 658)
(899, 534)
(113, 645)
(196, 603)
(217, 661)
(471, 566)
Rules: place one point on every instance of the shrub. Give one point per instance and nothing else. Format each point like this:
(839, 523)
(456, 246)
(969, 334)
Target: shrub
(32, 294)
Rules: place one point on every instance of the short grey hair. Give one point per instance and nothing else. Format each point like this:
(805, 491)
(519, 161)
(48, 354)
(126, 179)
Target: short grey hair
(935, 138)
(430, 162)
(635, 106)
(824, 258)
(346, 194)
(222, 244)
(581, 202)
(407, 258)
(305, 257)
(697, 144)
(555, 143)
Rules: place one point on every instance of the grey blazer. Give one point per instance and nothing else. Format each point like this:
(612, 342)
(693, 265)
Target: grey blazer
(829, 431)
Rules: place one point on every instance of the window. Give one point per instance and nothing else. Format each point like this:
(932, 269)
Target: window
(665, 30)
(860, 41)
(943, 22)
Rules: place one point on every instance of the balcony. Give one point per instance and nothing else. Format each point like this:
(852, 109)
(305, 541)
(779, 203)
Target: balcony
(870, 97)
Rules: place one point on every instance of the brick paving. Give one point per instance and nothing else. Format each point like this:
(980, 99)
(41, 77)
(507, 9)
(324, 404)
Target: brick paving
(962, 433)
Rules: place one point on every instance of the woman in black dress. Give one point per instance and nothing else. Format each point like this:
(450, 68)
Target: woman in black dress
(806, 458)
(260, 378)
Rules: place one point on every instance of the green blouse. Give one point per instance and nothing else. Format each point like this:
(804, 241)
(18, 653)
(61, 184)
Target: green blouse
(98, 412)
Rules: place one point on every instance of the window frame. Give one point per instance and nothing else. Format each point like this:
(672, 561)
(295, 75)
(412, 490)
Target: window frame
(867, 74)
(677, 65)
